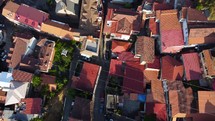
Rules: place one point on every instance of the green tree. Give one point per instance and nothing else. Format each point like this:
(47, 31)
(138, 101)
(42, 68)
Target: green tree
(36, 81)
(51, 95)
(45, 90)
(128, 5)
(71, 93)
(37, 119)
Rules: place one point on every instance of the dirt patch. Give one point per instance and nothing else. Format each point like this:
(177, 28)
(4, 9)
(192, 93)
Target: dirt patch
(55, 107)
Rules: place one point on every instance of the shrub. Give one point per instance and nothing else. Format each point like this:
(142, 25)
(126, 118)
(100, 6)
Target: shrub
(36, 81)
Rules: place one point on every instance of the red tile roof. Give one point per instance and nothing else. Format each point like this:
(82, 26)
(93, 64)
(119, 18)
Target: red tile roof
(157, 91)
(29, 64)
(180, 98)
(153, 26)
(169, 27)
(171, 69)
(22, 76)
(120, 46)
(174, 49)
(155, 64)
(158, 109)
(81, 110)
(209, 60)
(193, 15)
(167, 41)
(206, 101)
(116, 68)
(145, 47)
(17, 52)
(33, 105)
(133, 79)
(192, 66)
(201, 35)
(161, 6)
(122, 23)
(151, 74)
(202, 117)
(48, 79)
(31, 14)
(128, 57)
(88, 77)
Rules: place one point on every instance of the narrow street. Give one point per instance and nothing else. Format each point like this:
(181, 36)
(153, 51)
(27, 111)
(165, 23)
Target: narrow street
(98, 114)
(68, 100)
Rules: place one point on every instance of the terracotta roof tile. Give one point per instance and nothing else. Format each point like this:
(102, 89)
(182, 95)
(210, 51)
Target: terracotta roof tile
(22, 76)
(180, 98)
(192, 14)
(158, 14)
(18, 52)
(153, 26)
(192, 66)
(88, 77)
(167, 41)
(120, 46)
(145, 47)
(157, 91)
(125, 22)
(10, 7)
(158, 109)
(201, 35)
(81, 109)
(28, 13)
(169, 27)
(161, 6)
(133, 79)
(48, 79)
(184, 13)
(174, 49)
(171, 69)
(206, 101)
(151, 74)
(57, 29)
(173, 100)
(155, 64)
(33, 105)
(202, 117)
(169, 16)
(209, 62)
(116, 68)
(128, 57)
(29, 64)
(46, 55)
